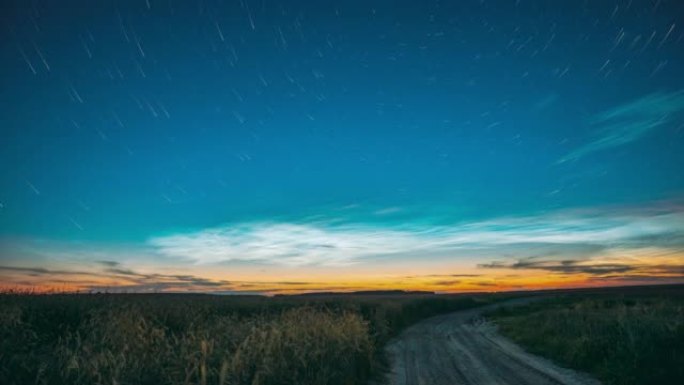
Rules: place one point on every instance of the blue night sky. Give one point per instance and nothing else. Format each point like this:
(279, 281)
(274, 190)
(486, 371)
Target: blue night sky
(251, 142)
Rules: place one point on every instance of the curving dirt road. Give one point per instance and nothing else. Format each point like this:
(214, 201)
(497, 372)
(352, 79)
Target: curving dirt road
(460, 349)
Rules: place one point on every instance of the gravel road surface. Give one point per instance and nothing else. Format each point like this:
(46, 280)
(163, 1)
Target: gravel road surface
(460, 348)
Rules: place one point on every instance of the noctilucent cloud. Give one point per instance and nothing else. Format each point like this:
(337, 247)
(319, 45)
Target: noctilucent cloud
(290, 146)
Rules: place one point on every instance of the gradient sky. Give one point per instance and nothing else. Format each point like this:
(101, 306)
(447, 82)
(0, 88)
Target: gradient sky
(283, 146)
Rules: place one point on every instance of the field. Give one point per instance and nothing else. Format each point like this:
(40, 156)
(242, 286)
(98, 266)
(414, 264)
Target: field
(203, 339)
(621, 336)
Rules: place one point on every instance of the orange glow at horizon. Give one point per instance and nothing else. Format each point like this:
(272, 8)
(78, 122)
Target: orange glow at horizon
(648, 266)
(493, 282)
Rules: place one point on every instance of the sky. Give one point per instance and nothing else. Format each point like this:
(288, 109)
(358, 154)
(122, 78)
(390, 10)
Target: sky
(291, 146)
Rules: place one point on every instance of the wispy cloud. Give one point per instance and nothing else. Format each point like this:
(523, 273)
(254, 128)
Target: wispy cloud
(576, 234)
(285, 243)
(39, 271)
(108, 263)
(388, 211)
(570, 266)
(119, 279)
(443, 276)
(630, 122)
(600, 244)
(637, 266)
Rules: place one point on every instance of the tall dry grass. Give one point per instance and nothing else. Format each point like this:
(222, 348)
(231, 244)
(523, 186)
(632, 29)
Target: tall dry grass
(195, 339)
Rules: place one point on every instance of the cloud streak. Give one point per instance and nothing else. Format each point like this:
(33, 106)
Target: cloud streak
(40, 271)
(564, 267)
(562, 235)
(286, 244)
(569, 246)
(120, 279)
(629, 122)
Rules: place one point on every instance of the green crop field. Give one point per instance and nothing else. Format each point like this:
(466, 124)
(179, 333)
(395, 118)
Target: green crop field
(621, 337)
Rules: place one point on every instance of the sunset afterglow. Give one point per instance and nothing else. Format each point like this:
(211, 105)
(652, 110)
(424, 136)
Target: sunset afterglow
(317, 146)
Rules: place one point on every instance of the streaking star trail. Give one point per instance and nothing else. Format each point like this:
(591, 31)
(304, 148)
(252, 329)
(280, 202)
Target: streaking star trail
(295, 146)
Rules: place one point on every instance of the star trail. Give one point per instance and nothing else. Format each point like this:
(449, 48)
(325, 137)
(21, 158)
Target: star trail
(289, 146)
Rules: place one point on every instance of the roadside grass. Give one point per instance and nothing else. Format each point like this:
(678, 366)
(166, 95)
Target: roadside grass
(624, 339)
(167, 339)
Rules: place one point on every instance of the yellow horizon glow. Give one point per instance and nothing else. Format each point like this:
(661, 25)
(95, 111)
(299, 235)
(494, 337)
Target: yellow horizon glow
(648, 266)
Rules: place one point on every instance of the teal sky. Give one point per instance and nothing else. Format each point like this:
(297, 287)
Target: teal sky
(322, 133)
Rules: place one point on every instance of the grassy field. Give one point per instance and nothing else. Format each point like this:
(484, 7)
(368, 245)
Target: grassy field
(202, 339)
(622, 337)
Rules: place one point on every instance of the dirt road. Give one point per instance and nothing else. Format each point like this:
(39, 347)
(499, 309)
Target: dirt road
(460, 349)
